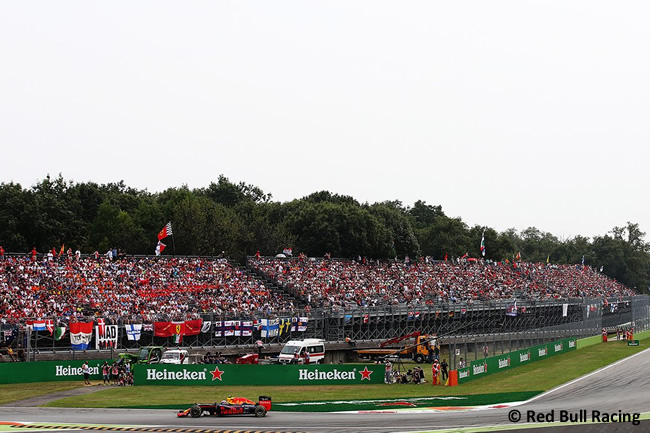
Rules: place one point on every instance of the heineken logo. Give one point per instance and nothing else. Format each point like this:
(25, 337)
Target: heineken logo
(463, 374)
(558, 347)
(542, 352)
(153, 374)
(505, 362)
(572, 343)
(216, 373)
(523, 357)
(305, 374)
(62, 370)
(479, 369)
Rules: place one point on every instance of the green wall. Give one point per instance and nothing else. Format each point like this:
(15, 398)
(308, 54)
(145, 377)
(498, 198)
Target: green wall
(234, 374)
(495, 364)
(49, 371)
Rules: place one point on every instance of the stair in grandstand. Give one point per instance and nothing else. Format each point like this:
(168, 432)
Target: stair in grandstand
(273, 286)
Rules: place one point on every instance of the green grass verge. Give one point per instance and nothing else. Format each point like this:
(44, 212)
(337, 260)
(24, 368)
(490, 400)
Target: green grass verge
(533, 378)
(385, 403)
(14, 392)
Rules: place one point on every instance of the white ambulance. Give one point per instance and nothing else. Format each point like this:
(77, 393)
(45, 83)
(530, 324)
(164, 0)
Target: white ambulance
(174, 356)
(310, 350)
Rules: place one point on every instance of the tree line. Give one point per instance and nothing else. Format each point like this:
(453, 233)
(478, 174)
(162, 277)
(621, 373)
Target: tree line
(240, 219)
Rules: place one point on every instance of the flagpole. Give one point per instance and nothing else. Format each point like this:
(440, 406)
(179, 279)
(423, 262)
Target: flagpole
(173, 245)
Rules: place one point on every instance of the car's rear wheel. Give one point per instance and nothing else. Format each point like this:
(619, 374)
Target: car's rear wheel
(195, 411)
(260, 411)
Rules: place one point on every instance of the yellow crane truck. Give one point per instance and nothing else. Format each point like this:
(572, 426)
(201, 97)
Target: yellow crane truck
(415, 346)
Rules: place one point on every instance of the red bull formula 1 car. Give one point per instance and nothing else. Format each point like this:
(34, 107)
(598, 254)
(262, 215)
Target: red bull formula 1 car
(229, 406)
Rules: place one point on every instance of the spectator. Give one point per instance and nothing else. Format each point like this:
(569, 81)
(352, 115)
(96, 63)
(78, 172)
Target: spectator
(106, 375)
(415, 375)
(435, 371)
(388, 371)
(85, 369)
(115, 373)
(443, 370)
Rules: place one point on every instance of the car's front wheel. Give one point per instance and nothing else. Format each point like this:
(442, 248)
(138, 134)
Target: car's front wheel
(195, 411)
(260, 411)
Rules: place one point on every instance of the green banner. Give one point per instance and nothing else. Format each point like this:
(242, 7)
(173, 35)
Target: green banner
(494, 364)
(49, 371)
(463, 375)
(632, 342)
(235, 374)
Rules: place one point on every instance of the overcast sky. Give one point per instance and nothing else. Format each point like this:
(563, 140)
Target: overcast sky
(505, 113)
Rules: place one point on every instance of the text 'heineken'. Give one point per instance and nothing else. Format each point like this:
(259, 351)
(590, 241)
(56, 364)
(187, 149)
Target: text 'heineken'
(326, 375)
(153, 374)
(73, 371)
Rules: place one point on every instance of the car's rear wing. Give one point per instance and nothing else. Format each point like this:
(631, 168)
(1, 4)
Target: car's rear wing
(265, 401)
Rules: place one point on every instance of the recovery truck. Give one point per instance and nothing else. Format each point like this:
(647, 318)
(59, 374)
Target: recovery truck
(416, 347)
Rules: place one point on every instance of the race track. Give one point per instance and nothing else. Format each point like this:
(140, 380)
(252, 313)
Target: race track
(620, 389)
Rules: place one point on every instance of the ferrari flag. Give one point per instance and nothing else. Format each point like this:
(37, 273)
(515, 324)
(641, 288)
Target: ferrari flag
(166, 231)
(177, 329)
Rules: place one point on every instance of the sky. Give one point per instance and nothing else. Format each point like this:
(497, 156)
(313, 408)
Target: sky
(508, 114)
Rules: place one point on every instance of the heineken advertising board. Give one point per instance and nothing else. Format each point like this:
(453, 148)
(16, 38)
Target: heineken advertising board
(235, 374)
(494, 364)
(49, 371)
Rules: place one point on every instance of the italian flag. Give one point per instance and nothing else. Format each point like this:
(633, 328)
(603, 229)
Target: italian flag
(178, 329)
(483, 244)
(59, 332)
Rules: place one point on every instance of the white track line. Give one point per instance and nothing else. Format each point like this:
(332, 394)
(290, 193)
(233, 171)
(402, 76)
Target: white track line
(582, 377)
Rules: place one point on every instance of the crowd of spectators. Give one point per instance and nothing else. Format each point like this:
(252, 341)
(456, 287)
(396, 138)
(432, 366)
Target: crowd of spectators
(214, 358)
(149, 289)
(345, 283)
(144, 289)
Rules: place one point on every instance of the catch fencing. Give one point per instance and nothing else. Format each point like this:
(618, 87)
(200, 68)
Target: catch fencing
(501, 325)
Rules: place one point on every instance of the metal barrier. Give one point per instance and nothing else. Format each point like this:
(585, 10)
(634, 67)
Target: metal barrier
(472, 326)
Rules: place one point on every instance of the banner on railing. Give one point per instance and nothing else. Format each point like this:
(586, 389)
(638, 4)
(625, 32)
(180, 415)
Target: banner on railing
(106, 337)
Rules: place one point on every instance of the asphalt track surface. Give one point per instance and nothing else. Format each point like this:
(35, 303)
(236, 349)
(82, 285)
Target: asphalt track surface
(621, 388)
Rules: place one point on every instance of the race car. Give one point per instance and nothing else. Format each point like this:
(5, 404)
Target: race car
(229, 406)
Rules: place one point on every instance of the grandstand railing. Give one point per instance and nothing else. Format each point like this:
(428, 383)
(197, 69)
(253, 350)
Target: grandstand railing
(566, 317)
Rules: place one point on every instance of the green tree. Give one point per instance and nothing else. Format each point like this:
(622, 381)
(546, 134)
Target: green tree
(15, 208)
(397, 222)
(447, 237)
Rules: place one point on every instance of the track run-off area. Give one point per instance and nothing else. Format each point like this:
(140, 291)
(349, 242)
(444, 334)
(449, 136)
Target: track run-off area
(616, 394)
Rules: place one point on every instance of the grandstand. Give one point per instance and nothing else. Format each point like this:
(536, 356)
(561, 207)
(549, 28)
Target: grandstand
(339, 298)
(348, 283)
